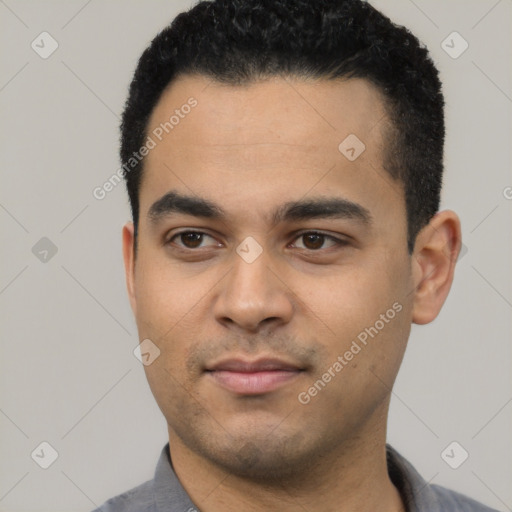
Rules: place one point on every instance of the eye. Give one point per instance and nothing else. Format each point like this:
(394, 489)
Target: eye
(311, 240)
(190, 239)
(314, 240)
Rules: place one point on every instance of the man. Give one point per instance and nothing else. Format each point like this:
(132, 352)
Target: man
(283, 160)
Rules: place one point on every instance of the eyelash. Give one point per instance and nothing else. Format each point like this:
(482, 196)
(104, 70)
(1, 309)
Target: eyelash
(337, 241)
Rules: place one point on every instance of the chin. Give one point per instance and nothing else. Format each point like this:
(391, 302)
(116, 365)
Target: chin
(268, 458)
(264, 463)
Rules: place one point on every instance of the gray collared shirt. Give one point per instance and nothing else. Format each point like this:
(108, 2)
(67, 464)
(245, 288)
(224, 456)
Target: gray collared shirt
(164, 493)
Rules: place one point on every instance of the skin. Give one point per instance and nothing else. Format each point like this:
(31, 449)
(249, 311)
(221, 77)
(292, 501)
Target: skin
(250, 149)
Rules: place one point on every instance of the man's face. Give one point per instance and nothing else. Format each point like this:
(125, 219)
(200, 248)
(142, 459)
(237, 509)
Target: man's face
(255, 309)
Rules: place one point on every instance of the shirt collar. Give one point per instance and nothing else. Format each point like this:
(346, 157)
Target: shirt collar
(416, 493)
(168, 492)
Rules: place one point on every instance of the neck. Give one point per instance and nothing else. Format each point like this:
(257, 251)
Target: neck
(354, 476)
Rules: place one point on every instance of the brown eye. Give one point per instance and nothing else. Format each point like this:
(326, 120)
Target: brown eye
(314, 241)
(189, 239)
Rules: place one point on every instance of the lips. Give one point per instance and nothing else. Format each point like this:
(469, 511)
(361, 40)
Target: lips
(253, 377)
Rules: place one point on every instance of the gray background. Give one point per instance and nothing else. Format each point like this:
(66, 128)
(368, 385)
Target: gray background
(68, 373)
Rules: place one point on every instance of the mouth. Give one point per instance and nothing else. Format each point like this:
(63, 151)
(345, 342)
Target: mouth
(253, 377)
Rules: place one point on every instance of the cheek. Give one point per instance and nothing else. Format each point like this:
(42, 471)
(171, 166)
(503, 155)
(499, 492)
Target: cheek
(171, 312)
(351, 296)
(165, 295)
(366, 305)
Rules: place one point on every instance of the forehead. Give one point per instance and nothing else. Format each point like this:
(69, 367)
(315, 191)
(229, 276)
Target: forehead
(267, 141)
(274, 111)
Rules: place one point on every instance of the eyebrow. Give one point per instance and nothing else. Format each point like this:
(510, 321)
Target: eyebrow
(315, 208)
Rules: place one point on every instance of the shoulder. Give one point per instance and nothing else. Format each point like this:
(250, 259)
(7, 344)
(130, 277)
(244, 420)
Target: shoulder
(138, 499)
(420, 496)
(452, 501)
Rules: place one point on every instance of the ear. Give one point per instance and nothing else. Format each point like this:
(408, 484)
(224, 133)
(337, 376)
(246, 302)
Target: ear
(129, 262)
(435, 254)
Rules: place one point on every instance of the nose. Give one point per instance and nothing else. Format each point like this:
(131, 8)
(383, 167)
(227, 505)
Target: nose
(254, 296)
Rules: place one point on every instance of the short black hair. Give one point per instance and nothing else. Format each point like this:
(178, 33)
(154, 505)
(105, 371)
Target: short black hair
(241, 41)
